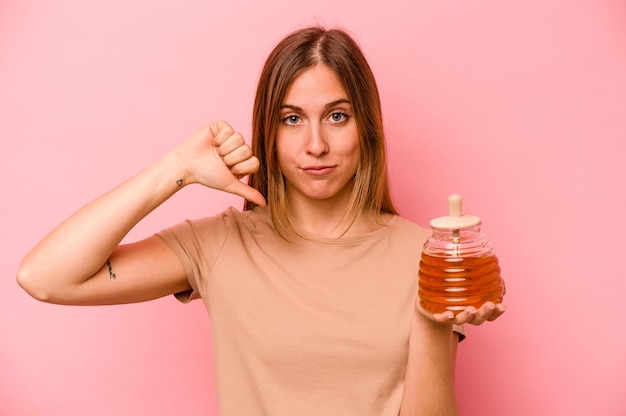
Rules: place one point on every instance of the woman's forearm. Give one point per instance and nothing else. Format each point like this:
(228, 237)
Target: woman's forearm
(429, 381)
(80, 246)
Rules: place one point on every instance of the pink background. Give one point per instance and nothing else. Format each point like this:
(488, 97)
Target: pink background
(520, 106)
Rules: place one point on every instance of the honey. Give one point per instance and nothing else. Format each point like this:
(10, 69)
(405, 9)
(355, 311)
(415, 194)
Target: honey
(453, 283)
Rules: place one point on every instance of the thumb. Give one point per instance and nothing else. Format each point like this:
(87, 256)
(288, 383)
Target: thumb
(239, 188)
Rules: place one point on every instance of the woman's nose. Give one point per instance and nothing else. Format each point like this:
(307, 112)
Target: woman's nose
(316, 142)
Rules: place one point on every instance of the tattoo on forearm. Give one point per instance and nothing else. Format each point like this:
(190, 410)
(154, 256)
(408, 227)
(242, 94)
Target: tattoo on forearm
(179, 182)
(111, 274)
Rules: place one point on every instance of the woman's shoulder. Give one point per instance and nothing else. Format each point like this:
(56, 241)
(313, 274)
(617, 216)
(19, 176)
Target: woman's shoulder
(252, 222)
(403, 224)
(231, 224)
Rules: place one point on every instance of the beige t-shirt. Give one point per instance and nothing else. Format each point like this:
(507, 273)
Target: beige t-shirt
(308, 327)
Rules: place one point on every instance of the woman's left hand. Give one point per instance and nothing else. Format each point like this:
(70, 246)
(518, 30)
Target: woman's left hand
(470, 315)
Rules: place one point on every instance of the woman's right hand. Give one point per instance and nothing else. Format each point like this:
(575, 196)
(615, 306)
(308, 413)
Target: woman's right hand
(217, 156)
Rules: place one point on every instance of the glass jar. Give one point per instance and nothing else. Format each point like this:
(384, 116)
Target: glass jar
(458, 266)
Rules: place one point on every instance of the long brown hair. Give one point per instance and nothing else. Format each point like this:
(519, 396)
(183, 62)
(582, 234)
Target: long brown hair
(297, 52)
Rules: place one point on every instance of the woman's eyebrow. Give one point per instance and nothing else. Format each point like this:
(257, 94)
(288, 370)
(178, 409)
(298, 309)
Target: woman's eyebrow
(337, 102)
(291, 107)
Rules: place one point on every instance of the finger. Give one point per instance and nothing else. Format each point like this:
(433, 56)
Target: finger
(229, 144)
(483, 313)
(239, 188)
(246, 167)
(467, 315)
(443, 318)
(499, 310)
(486, 310)
(238, 155)
(221, 131)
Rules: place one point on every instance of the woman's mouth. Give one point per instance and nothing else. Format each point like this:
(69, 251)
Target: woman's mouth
(318, 170)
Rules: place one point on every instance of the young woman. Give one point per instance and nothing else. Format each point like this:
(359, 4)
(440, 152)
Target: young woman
(311, 288)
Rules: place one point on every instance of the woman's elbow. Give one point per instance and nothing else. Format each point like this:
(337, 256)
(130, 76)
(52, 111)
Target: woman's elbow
(34, 283)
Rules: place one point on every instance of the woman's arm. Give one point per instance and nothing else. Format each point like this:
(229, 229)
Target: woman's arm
(429, 380)
(80, 261)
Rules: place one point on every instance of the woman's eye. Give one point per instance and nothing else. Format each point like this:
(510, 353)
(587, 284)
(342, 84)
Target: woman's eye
(291, 120)
(338, 117)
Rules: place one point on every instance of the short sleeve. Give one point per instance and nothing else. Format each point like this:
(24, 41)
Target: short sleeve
(459, 329)
(187, 296)
(196, 243)
(173, 237)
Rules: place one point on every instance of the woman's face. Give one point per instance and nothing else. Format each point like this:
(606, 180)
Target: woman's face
(317, 142)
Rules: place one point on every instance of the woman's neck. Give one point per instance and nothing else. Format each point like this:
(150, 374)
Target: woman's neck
(327, 218)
